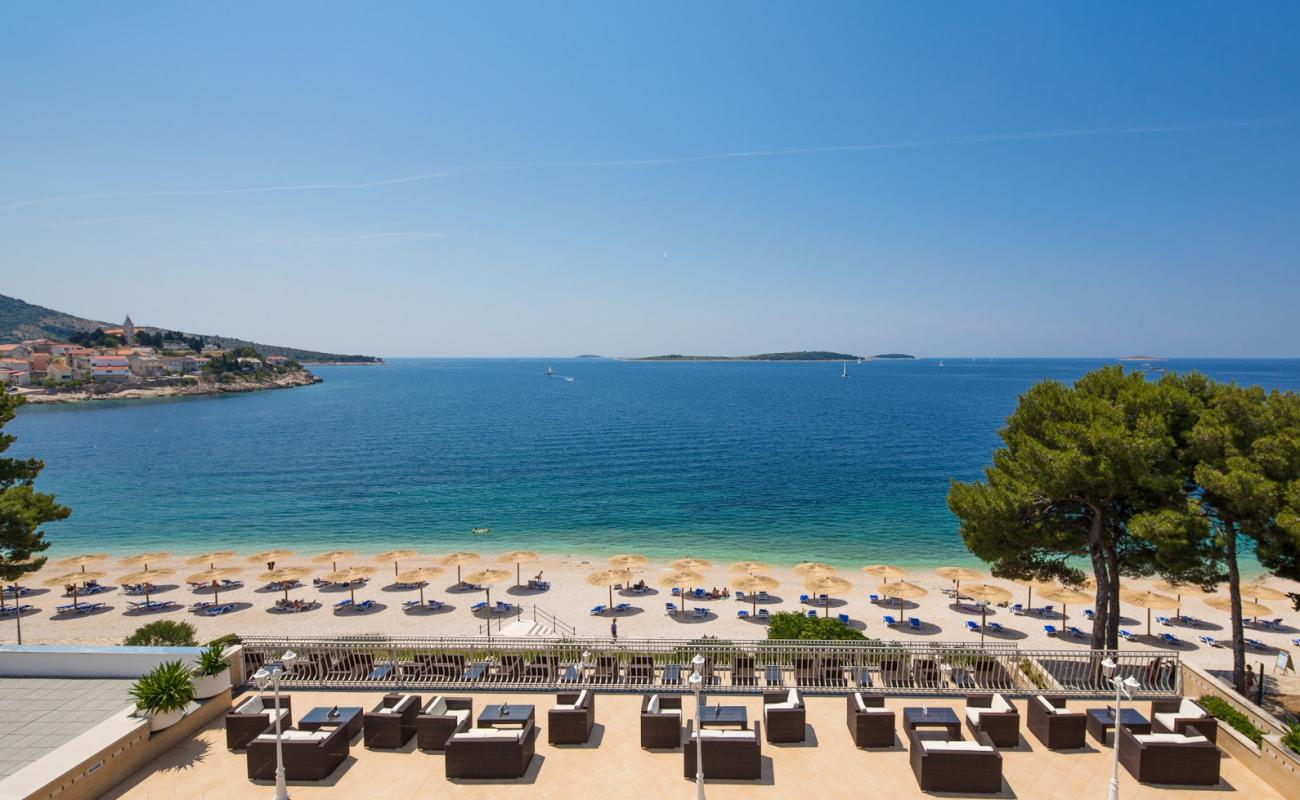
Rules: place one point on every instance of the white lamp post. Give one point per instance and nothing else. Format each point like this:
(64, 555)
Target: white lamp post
(697, 682)
(271, 674)
(1123, 688)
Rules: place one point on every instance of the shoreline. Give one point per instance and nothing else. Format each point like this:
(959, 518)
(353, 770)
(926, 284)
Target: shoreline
(196, 388)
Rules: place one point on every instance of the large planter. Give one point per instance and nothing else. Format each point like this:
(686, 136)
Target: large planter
(206, 686)
(163, 721)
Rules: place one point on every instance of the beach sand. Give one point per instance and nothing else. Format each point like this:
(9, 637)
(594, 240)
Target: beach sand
(570, 599)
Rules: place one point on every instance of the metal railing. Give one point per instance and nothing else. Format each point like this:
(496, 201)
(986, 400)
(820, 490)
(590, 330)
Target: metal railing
(554, 623)
(662, 665)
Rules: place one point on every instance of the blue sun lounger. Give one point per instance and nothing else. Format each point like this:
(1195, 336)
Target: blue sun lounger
(1050, 630)
(1169, 638)
(972, 626)
(889, 620)
(216, 611)
(1164, 620)
(844, 618)
(342, 604)
(699, 612)
(1076, 633)
(670, 609)
(995, 627)
(1089, 613)
(914, 623)
(1128, 636)
(364, 605)
(623, 607)
(597, 610)
(1255, 644)
(10, 611)
(479, 606)
(1211, 641)
(742, 614)
(812, 614)
(762, 614)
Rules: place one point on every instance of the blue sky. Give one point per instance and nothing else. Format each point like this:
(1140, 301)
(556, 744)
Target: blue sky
(943, 179)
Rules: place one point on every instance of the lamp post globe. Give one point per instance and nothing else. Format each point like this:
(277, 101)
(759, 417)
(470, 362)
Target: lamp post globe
(696, 681)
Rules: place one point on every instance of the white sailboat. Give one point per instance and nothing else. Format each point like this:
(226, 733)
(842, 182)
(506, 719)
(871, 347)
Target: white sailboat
(845, 372)
(549, 372)
(941, 362)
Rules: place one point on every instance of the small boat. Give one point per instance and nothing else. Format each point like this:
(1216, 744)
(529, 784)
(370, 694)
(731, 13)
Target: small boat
(845, 372)
(567, 378)
(941, 362)
(549, 372)
(480, 531)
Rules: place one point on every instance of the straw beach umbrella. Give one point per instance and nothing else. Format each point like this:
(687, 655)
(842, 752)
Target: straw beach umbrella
(145, 559)
(986, 593)
(420, 576)
(1257, 590)
(395, 556)
(211, 559)
(756, 583)
(627, 561)
(351, 576)
(1177, 588)
(1063, 595)
(609, 577)
(485, 578)
(751, 567)
(884, 571)
(902, 590)
(1148, 600)
(146, 578)
(1220, 603)
(214, 576)
(458, 560)
(957, 575)
(333, 557)
(518, 558)
(692, 564)
(284, 576)
(680, 579)
(811, 569)
(81, 560)
(269, 556)
(827, 585)
(72, 579)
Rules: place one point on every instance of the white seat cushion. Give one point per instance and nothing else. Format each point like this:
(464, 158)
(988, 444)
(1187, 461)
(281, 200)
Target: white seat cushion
(1169, 738)
(712, 733)
(969, 746)
(792, 698)
(582, 698)
(1051, 709)
(1000, 703)
(1166, 718)
(784, 706)
(461, 714)
(737, 734)
(861, 705)
(488, 733)
(652, 707)
(252, 705)
(563, 707)
(388, 711)
(973, 714)
(437, 707)
(300, 736)
(1189, 708)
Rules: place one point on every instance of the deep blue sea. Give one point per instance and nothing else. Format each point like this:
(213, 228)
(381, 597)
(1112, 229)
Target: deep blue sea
(777, 461)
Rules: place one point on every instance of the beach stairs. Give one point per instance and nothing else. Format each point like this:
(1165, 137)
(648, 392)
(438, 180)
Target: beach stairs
(534, 622)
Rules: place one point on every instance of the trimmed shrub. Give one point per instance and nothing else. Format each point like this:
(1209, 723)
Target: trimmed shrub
(793, 625)
(163, 633)
(1220, 709)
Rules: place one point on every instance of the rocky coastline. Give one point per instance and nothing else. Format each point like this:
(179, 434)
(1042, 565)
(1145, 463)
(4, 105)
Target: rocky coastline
(189, 386)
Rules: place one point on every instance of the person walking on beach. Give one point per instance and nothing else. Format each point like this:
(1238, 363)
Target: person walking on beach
(613, 628)
(270, 566)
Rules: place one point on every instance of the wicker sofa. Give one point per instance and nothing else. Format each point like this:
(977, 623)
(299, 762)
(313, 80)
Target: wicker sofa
(500, 753)
(1183, 716)
(784, 716)
(1168, 757)
(994, 715)
(735, 755)
(253, 717)
(442, 717)
(956, 765)
(570, 721)
(870, 723)
(661, 722)
(1055, 726)
(391, 724)
(308, 755)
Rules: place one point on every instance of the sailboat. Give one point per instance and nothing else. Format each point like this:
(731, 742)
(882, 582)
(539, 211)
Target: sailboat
(549, 372)
(845, 372)
(941, 362)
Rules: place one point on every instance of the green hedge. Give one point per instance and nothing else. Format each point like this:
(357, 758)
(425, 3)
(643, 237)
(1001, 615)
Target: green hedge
(1221, 710)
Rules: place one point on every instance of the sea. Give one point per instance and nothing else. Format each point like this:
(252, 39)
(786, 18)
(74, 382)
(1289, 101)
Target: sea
(781, 462)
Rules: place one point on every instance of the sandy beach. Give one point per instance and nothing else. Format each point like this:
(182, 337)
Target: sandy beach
(571, 598)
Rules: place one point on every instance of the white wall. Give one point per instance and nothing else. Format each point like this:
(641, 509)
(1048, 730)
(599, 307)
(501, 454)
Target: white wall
(70, 661)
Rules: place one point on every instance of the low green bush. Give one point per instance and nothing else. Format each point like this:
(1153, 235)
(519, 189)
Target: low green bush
(163, 633)
(166, 688)
(228, 640)
(211, 661)
(1220, 709)
(793, 625)
(1292, 738)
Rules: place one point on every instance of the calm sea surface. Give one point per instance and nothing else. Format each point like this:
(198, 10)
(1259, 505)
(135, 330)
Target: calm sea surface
(783, 462)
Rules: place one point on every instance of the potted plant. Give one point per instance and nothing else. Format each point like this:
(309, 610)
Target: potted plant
(212, 673)
(163, 694)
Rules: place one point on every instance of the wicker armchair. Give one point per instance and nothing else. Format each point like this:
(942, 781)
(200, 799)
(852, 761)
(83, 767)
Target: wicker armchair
(1168, 757)
(391, 724)
(661, 721)
(1055, 727)
(308, 756)
(994, 715)
(785, 716)
(253, 717)
(954, 766)
(441, 718)
(870, 723)
(570, 721)
(499, 753)
(736, 755)
(1183, 716)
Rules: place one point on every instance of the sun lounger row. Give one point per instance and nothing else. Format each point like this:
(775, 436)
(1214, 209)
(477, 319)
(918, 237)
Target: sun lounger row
(152, 605)
(10, 611)
(79, 608)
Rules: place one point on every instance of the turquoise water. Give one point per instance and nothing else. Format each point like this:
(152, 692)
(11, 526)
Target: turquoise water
(783, 462)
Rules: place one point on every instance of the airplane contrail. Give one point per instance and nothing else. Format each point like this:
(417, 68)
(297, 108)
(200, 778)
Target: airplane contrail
(1058, 133)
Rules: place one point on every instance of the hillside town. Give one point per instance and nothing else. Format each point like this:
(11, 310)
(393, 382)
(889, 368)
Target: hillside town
(107, 361)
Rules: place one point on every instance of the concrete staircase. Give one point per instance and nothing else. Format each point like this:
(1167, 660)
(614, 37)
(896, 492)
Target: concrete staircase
(525, 627)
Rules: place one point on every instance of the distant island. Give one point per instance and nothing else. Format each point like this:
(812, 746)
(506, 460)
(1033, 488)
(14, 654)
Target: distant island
(588, 355)
(794, 355)
(50, 357)
(1144, 358)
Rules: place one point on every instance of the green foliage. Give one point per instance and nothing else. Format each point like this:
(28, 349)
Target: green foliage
(225, 641)
(95, 338)
(163, 633)
(1220, 709)
(793, 625)
(1036, 677)
(167, 688)
(211, 661)
(23, 510)
(1292, 738)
